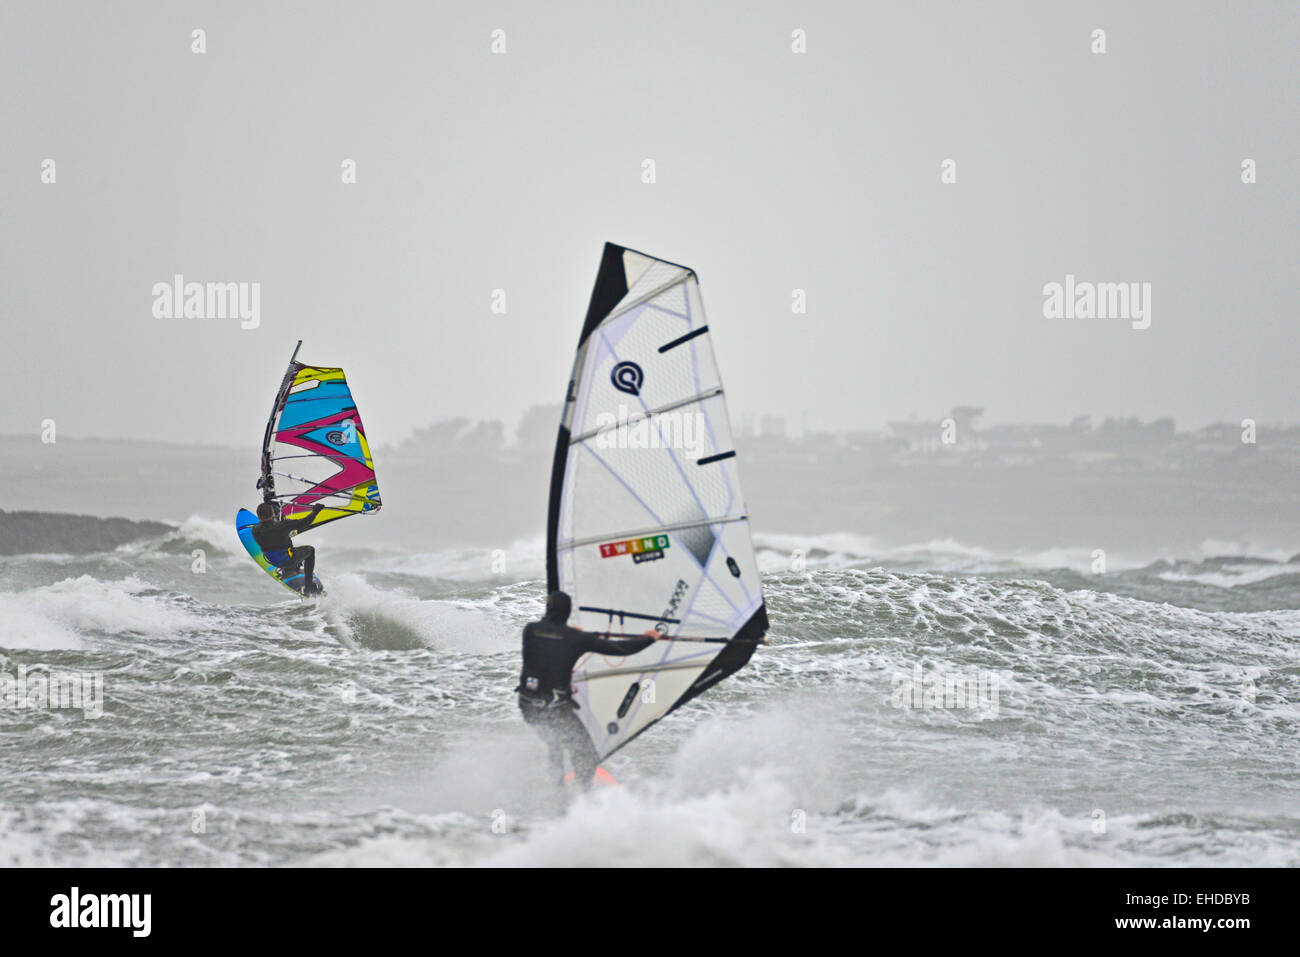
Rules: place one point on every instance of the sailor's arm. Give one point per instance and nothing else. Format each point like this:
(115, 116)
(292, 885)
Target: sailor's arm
(298, 524)
(624, 646)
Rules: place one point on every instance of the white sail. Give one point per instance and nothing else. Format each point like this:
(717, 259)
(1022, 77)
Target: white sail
(647, 525)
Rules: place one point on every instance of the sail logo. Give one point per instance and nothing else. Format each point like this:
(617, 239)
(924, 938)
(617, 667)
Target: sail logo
(679, 592)
(179, 299)
(627, 377)
(344, 436)
(1098, 300)
(132, 911)
(647, 549)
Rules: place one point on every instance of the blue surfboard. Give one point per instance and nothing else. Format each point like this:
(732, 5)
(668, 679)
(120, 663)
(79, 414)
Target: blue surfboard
(294, 580)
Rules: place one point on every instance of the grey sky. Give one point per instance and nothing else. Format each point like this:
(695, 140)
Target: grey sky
(775, 171)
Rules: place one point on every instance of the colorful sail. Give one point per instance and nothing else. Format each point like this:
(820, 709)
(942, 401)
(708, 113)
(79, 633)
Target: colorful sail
(315, 448)
(647, 527)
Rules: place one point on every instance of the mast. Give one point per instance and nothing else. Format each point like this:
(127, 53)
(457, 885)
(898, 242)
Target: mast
(266, 483)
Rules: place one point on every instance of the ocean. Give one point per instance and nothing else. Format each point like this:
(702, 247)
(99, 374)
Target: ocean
(934, 705)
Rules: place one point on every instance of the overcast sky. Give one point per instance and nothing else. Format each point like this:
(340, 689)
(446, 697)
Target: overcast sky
(775, 171)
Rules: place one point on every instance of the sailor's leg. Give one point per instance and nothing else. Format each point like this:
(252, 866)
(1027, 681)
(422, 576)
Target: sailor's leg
(581, 752)
(544, 722)
(308, 556)
(555, 752)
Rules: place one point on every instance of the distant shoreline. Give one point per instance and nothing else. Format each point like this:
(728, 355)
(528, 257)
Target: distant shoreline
(453, 490)
(26, 533)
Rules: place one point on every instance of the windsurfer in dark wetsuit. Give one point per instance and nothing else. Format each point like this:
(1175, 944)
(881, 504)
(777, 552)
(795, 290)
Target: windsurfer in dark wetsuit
(551, 649)
(274, 538)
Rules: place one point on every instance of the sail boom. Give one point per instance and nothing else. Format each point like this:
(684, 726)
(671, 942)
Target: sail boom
(639, 670)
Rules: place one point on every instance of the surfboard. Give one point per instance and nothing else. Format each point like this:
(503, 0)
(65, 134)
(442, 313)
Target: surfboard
(244, 522)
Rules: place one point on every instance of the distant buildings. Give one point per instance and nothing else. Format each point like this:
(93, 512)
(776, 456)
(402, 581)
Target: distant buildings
(1115, 442)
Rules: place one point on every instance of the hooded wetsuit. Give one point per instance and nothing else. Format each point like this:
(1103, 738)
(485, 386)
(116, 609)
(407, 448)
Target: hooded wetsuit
(274, 538)
(551, 649)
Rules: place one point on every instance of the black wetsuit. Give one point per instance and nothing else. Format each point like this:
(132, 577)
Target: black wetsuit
(551, 649)
(275, 540)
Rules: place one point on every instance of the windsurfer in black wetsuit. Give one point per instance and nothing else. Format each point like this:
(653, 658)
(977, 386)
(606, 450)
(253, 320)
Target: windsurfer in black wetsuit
(274, 536)
(551, 649)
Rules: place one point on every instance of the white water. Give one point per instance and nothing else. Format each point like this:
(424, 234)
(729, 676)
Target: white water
(1142, 717)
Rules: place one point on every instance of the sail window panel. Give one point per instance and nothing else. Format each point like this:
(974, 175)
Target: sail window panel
(630, 489)
(607, 694)
(623, 584)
